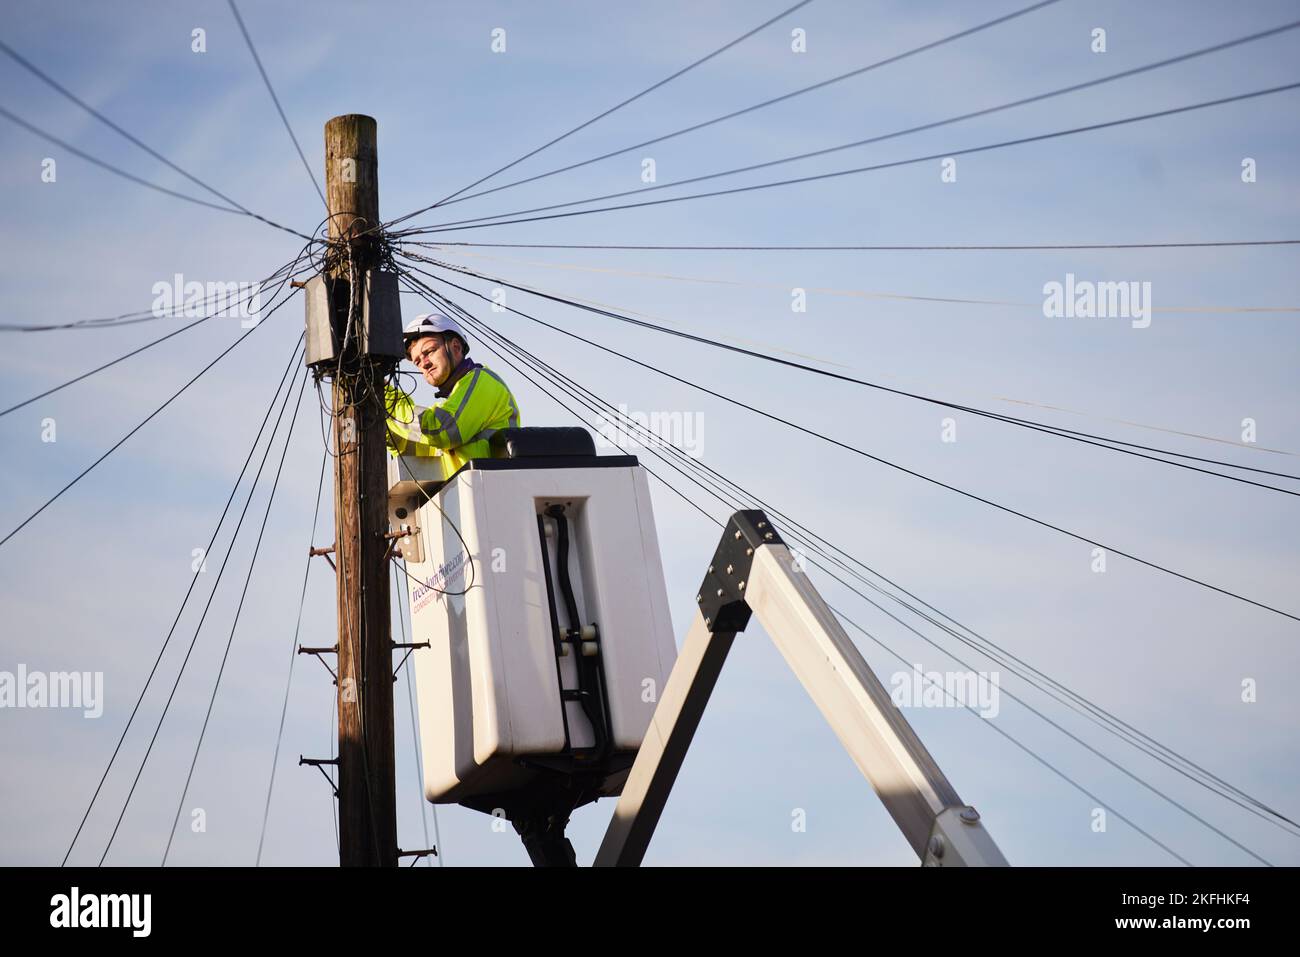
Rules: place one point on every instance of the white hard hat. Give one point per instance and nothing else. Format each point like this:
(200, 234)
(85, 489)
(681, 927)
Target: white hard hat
(431, 324)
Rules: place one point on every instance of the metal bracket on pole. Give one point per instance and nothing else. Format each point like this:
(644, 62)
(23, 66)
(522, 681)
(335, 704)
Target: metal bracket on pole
(409, 646)
(316, 763)
(417, 855)
(394, 536)
(753, 572)
(313, 552)
(322, 651)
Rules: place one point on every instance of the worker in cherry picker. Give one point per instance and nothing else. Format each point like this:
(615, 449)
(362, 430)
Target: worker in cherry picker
(475, 402)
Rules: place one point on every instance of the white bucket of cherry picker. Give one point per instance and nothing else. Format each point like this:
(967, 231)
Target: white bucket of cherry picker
(537, 582)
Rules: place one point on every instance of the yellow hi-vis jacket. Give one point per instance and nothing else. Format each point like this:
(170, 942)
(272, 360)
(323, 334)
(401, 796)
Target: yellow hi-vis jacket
(457, 429)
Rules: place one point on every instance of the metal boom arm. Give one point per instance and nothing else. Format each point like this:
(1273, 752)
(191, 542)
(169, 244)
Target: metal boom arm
(754, 572)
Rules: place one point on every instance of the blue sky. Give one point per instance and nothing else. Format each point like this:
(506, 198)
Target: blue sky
(94, 582)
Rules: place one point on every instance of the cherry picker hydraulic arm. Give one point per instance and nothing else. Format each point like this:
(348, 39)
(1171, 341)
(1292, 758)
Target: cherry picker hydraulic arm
(754, 572)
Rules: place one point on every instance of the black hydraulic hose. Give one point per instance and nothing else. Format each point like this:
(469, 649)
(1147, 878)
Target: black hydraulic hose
(556, 638)
(588, 670)
(562, 558)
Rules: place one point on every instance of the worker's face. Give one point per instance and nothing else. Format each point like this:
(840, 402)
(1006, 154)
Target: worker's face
(434, 358)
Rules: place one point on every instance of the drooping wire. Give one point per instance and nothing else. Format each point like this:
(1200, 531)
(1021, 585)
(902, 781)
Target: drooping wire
(144, 315)
(293, 656)
(218, 297)
(1100, 716)
(1087, 438)
(120, 442)
(279, 109)
(63, 144)
(936, 124)
(835, 291)
(749, 109)
(1097, 801)
(134, 352)
(288, 392)
(612, 109)
(874, 167)
(769, 348)
(51, 82)
(915, 474)
(184, 602)
(234, 625)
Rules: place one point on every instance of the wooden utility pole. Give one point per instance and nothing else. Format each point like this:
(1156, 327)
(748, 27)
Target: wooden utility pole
(367, 789)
